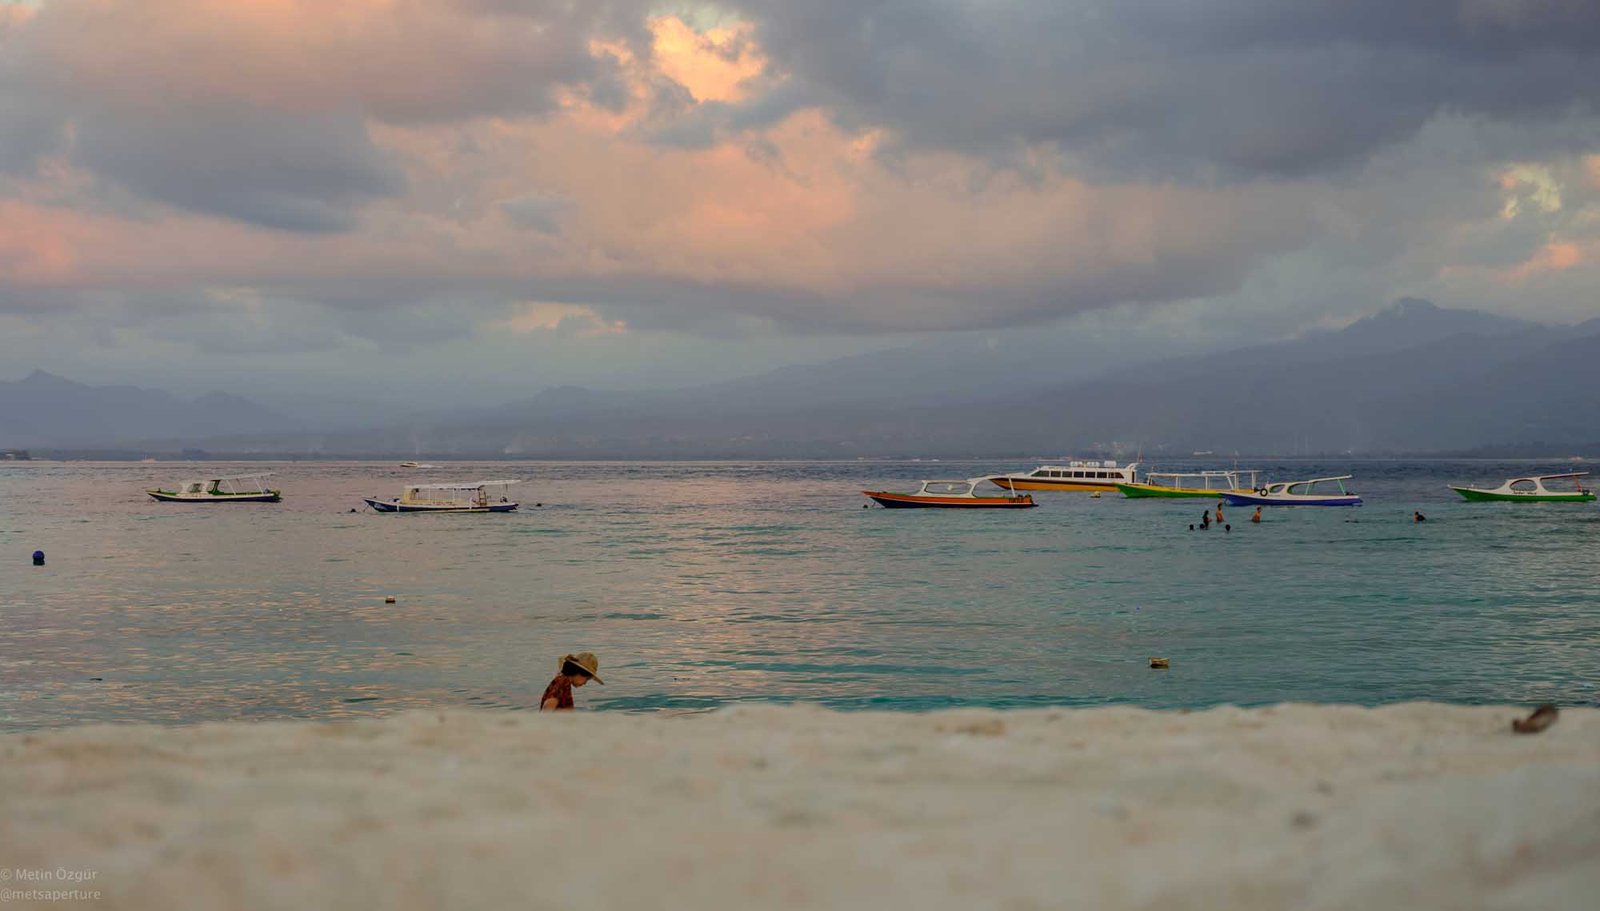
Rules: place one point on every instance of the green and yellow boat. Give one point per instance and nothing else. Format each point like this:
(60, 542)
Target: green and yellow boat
(1195, 484)
(1531, 489)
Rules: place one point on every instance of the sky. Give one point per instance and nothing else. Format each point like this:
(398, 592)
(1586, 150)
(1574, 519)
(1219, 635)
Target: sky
(439, 201)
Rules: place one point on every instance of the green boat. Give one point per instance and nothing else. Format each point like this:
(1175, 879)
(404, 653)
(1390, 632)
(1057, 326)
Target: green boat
(1209, 485)
(1531, 489)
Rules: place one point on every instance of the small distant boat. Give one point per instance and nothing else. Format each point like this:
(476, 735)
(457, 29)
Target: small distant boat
(1206, 484)
(1296, 493)
(1074, 475)
(474, 496)
(409, 464)
(1532, 489)
(949, 495)
(239, 488)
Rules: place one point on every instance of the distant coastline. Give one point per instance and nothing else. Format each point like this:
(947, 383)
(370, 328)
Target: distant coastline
(1521, 453)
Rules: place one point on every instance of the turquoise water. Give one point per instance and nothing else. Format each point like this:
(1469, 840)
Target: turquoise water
(700, 584)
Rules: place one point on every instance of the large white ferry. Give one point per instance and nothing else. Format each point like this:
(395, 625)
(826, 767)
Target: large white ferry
(1074, 475)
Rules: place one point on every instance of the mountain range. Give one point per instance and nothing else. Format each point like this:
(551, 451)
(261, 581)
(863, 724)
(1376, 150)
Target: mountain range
(1413, 377)
(45, 410)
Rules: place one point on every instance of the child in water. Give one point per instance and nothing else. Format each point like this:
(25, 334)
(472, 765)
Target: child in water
(576, 670)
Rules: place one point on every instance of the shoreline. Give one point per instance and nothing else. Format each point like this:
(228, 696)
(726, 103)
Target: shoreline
(1417, 805)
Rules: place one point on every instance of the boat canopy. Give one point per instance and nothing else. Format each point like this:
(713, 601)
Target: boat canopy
(1304, 488)
(469, 485)
(1231, 480)
(227, 484)
(472, 493)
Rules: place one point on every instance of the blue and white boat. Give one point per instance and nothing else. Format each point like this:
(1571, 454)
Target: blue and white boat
(1296, 493)
(473, 496)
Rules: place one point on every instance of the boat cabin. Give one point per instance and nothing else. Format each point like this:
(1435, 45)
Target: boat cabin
(1092, 470)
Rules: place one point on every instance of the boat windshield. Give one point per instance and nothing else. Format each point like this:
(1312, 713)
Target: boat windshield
(1309, 488)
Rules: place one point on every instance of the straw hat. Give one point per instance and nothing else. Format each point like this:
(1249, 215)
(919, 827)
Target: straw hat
(585, 660)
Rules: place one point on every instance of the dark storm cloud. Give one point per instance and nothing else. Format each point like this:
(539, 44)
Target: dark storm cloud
(1175, 87)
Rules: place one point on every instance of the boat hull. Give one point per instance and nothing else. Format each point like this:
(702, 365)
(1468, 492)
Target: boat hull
(912, 501)
(1251, 498)
(271, 496)
(396, 506)
(1475, 495)
(1138, 491)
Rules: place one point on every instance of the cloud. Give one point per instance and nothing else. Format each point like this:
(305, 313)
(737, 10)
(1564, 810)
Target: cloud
(538, 211)
(1231, 88)
(295, 173)
(382, 175)
(260, 110)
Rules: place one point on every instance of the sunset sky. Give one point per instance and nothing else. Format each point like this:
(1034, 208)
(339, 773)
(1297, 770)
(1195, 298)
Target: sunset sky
(444, 199)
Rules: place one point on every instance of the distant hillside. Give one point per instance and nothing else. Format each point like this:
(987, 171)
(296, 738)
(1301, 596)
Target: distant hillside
(1412, 378)
(43, 410)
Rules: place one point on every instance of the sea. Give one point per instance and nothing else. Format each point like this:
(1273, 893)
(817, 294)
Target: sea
(702, 584)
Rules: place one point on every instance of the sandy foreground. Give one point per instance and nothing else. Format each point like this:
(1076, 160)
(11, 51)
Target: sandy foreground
(1412, 806)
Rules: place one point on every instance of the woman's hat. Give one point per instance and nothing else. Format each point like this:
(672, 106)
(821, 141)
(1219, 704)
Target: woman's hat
(585, 661)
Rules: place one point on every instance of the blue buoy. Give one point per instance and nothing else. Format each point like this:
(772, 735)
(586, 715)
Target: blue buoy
(38, 558)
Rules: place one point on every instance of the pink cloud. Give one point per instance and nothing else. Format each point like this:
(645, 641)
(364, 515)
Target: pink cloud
(405, 60)
(1555, 256)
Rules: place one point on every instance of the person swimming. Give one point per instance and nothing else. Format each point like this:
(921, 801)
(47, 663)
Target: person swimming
(1417, 516)
(1256, 517)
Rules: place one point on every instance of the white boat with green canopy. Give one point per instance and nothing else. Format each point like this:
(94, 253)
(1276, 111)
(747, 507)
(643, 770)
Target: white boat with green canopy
(238, 488)
(1533, 489)
(1207, 484)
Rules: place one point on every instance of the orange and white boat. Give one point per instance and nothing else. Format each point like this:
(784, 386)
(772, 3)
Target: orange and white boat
(1075, 475)
(949, 495)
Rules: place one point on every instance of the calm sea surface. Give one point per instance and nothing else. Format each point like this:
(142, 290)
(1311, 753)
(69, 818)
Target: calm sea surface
(700, 584)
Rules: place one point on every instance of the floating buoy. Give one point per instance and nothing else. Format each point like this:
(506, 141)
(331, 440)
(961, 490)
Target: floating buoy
(1160, 663)
(38, 558)
(388, 599)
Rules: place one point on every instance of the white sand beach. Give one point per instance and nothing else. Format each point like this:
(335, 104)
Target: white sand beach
(1411, 806)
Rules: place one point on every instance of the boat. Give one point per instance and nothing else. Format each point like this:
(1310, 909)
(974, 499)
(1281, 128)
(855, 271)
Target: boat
(949, 495)
(1296, 493)
(409, 464)
(239, 488)
(472, 496)
(1206, 484)
(1073, 475)
(1532, 489)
